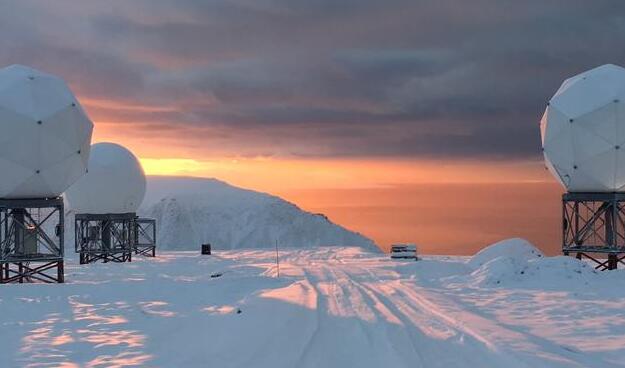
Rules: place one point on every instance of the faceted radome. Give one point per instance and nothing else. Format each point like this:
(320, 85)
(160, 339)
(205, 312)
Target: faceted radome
(583, 131)
(45, 135)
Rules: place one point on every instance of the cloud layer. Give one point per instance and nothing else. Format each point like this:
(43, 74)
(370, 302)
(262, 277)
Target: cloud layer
(352, 78)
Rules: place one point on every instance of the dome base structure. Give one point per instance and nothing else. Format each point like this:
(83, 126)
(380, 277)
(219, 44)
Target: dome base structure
(31, 240)
(145, 237)
(593, 225)
(105, 237)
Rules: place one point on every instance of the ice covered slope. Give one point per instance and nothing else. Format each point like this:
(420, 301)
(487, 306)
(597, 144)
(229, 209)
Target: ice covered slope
(192, 211)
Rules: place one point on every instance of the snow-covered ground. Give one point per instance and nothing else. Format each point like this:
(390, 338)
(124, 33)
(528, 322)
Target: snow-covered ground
(330, 307)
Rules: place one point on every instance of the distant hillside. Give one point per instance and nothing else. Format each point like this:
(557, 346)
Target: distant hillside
(191, 211)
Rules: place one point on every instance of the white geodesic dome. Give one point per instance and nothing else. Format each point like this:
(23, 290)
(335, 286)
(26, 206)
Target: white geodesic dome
(45, 135)
(583, 131)
(115, 182)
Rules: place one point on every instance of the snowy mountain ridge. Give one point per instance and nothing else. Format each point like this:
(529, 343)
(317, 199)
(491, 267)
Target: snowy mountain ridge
(191, 211)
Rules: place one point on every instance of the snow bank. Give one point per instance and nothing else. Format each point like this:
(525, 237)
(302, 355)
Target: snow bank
(499, 261)
(546, 273)
(517, 248)
(192, 211)
(518, 263)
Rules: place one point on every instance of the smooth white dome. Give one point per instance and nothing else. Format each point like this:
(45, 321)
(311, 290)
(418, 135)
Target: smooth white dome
(583, 131)
(45, 135)
(115, 182)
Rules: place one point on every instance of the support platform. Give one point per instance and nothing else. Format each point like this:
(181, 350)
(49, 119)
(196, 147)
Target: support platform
(31, 240)
(145, 237)
(593, 227)
(105, 237)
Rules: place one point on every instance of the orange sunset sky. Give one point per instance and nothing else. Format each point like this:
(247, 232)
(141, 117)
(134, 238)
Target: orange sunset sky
(179, 154)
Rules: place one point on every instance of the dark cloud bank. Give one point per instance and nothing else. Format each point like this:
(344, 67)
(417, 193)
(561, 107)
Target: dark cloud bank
(324, 78)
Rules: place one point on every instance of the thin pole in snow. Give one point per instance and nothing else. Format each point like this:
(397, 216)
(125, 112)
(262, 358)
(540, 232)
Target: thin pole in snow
(277, 258)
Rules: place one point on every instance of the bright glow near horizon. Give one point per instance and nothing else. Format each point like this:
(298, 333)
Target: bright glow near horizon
(277, 175)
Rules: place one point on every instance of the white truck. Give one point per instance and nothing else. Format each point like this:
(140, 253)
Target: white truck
(404, 251)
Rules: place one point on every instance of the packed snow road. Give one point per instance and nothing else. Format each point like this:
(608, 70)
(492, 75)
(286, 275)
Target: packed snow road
(330, 307)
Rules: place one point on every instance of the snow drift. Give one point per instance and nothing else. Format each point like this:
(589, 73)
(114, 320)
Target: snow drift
(517, 248)
(518, 263)
(192, 211)
(559, 272)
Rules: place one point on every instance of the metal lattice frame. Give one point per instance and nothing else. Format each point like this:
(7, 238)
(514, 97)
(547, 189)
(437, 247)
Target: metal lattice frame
(31, 240)
(594, 223)
(104, 237)
(145, 241)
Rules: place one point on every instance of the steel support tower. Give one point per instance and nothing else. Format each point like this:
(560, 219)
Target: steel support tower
(593, 227)
(105, 237)
(31, 240)
(145, 237)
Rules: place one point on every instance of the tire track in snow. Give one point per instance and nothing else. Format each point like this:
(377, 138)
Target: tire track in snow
(377, 304)
(490, 332)
(414, 309)
(434, 329)
(462, 319)
(449, 309)
(419, 321)
(332, 273)
(324, 304)
(521, 344)
(340, 324)
(314, 336)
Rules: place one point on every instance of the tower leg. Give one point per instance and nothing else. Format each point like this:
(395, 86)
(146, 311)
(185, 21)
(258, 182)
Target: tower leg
(612, 262)
(61, 272)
